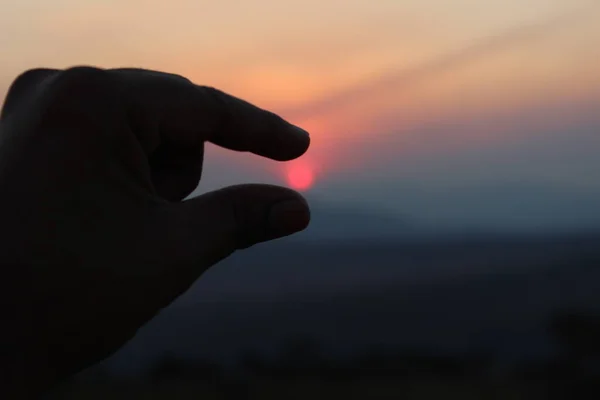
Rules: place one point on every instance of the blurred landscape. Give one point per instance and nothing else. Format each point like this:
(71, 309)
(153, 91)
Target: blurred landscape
(399, 313)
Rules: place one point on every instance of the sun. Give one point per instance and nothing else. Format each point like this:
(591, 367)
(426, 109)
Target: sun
(300, 177)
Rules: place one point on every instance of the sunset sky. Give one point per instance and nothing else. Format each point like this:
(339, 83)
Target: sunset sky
(397, 94)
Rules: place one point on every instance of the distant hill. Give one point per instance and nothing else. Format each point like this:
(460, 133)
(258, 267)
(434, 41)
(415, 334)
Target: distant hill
(331, 221)
(501, 205)
(491, 295)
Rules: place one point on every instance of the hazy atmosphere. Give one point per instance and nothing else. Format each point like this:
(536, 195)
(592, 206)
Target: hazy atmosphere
(453, 176)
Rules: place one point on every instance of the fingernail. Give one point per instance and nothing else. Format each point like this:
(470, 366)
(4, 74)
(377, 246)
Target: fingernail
(288, 217)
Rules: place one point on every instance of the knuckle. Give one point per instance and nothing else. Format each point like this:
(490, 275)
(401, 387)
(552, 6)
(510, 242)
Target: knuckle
(220, 107)
(273, 120)
(33, 76)
(268, 121)
(81, 95)
(79, 89)
(24, 85)
(180, 78)
(213, 94)
(79, 79)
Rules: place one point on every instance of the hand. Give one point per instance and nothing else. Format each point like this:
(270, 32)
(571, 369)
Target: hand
(96, 236)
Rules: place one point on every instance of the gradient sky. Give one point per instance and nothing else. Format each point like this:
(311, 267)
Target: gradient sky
(398, 95)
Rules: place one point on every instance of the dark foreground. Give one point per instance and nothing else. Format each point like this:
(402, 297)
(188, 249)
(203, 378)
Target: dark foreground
(490, 318)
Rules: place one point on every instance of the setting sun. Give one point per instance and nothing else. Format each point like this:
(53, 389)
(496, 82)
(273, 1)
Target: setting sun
(300, 177)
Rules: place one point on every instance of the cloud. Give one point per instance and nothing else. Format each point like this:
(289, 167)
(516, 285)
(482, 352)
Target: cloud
(400, 79)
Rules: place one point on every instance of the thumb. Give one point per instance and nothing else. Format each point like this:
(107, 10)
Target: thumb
(205, 229)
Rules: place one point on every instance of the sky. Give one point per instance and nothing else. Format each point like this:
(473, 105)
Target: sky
(433, 108)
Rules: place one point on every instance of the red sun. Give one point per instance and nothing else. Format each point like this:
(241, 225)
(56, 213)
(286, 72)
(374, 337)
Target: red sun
(300, 177)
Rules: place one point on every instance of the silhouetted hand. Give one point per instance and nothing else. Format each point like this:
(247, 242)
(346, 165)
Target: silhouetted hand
(95, 235)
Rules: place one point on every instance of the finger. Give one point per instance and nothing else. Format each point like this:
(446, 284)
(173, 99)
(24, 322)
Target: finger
(171, 118)
(22, 86)
(245, 127)
(189, 114)
(199, 232)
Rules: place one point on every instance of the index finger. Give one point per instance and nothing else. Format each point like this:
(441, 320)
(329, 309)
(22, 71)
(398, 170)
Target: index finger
(245, 127)
(189, 113)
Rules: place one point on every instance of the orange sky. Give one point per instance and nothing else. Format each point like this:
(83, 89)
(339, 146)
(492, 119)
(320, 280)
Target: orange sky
(344, 69)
